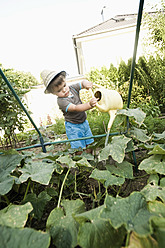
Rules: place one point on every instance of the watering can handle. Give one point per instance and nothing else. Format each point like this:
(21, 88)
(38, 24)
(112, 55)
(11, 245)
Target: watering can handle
(93, 95)
(94, 84)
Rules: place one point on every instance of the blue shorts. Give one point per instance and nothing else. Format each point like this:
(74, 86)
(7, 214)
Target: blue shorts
(75, 131)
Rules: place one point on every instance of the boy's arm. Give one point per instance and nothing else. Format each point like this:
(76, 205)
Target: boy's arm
(83, 107)
(85, 84)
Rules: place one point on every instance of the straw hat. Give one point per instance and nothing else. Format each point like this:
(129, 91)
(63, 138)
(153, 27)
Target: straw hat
(48, 76)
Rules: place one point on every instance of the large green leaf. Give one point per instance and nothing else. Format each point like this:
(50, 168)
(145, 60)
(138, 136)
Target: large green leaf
(146, 146)
(38, 202)
(8, 163)
(48, 155)
(62, 226)
(157, 207)
(162, 182)
(116, 149)
(83, 163)
(152, 191)
(159, 136)
(51, 159)
(95, 232)
(137, 113)
(131, 212)
(6, 183)
(123, 169)
(105, 153)
(153, 164)
(153, 179)
(15, 215)
(130, 146)
(158, 225)
(26, 238)
(142, 242)
(67, 160)
(140, 134)
(85, 155)
(73, 207)
(105, 177)
(158, 149)
(38, 171)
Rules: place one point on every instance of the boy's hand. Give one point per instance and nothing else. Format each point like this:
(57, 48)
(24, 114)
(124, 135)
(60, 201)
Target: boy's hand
(86, 84)
(93, 102)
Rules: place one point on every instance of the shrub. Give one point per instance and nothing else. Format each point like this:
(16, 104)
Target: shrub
(12, 116)
(148, 86)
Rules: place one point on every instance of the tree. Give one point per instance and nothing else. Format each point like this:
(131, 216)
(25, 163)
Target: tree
(150, 73)
(123, 72)
(113, 73)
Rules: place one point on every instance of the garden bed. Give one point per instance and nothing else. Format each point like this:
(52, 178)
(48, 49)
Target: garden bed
(111, 198)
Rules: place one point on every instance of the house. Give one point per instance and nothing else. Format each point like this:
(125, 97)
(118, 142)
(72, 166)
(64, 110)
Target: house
(107, 42)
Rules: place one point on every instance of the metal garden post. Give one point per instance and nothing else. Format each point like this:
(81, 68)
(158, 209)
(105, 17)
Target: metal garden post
(133, 63)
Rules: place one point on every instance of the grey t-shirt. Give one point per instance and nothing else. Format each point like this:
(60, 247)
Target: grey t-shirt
(64, 103)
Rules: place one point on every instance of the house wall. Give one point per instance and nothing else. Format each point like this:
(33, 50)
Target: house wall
(103, 49)
(43, 107)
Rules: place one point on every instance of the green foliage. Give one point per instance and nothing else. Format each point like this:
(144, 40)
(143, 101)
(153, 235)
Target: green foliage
(156, 31)
(21, 80)
(98, 121)
(106, 178)
(113, 75)
(14, 215)
(12, 116)
(104, 76)
(38, 202)
(37, 181)
(153, 190)
(98, 232)
(59, 126)
(149, 75)
(7, 166)
(123, 73)
(61, 221)
(40, 172)
(117, 212)
(27, 238)
(116, 149)
(61, 179)
(148, 87)
(154, 124)
(12, 219)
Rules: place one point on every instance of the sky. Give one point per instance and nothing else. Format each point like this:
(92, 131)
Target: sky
(37, 34)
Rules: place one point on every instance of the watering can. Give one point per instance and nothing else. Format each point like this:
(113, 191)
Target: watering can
(108, 101)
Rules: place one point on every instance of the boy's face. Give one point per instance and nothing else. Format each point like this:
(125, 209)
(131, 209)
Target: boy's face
(61, 90)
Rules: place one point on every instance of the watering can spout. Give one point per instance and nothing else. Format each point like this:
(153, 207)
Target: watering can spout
(112, 114)
(108, 101)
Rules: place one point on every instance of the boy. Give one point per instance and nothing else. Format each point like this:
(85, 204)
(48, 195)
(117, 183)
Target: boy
(70, 103)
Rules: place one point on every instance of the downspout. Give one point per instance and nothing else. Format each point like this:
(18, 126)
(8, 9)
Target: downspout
(76, 52)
